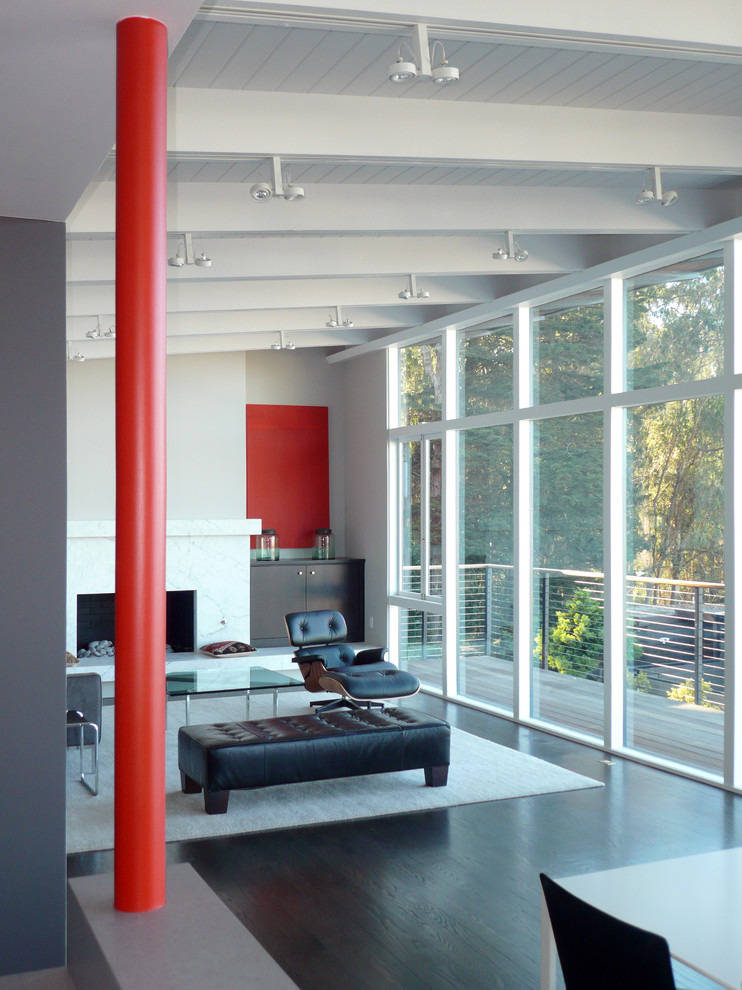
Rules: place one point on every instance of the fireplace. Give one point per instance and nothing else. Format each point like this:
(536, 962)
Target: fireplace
(95, 620)
(210, 556)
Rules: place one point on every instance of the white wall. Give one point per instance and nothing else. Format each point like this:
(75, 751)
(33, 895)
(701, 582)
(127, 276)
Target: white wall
(206, 438)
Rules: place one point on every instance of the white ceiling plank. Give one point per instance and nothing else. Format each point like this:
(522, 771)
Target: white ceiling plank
(631, 21)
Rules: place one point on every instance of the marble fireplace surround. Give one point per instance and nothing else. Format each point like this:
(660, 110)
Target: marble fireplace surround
(208, 556)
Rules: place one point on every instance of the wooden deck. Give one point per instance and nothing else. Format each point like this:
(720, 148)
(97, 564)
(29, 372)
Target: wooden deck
(656, 726)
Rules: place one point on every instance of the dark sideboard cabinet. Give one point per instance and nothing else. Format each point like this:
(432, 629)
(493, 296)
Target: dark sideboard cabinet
(293, 585)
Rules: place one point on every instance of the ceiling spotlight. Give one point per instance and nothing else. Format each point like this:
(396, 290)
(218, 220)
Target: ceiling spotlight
(510, 250)
(405, 294)
(423, 294)
(654, 194)
(261, 192)
(422, 59)
(332, 322)
(292, 192)
(185, 255)
(275, 347)
(289, 346)
(348, 323)
(443, 72)
(401, 70)
(111, 332)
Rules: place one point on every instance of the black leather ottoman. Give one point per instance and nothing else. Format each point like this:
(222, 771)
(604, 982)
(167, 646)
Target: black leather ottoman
(235, 755)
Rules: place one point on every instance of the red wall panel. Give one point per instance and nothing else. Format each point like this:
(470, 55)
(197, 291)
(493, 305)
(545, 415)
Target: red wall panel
(288, 470)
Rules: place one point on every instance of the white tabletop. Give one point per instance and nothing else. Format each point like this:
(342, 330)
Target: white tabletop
(695, 902)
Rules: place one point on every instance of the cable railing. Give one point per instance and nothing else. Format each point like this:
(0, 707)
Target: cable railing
(674, 628)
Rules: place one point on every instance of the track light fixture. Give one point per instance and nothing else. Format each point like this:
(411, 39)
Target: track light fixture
(184, 255)
(412, 290)
(77, 356)
(510, 249)
(654, 192)
(282, 344)
(97, 333)
(422, 60)
(263, 191)
(338, 321)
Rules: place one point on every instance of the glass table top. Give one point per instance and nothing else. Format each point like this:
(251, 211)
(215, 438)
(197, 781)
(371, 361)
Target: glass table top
(213, 679)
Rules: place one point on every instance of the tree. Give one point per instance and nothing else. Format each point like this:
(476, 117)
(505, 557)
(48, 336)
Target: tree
(676, 448)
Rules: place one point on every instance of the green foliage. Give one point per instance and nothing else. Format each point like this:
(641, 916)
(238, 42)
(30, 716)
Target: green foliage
(486, 371)
(568, 492)
(638, 681)
(569, 353)
(686, 692)
(576, 641)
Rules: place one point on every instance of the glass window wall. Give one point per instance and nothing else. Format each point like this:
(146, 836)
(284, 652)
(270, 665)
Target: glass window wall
(532, 525)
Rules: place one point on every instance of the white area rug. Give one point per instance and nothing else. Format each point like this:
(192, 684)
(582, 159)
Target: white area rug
(480, 771)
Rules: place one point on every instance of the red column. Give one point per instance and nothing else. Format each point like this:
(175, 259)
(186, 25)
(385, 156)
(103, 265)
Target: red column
(141, 125)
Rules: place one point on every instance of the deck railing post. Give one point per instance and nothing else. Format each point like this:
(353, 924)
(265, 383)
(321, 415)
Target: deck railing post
(488, 609)
(545, 622)
(698, 645)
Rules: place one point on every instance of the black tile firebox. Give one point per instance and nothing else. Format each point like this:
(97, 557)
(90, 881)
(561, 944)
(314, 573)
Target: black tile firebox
(95, 620)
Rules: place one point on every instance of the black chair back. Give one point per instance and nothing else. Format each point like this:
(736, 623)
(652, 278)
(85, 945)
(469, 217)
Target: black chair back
(599, 952)
(321, 627)
(84, 694)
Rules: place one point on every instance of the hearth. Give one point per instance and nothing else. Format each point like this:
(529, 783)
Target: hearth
(95, 620)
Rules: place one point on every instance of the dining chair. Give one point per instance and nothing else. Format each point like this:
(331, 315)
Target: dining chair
(599, 952)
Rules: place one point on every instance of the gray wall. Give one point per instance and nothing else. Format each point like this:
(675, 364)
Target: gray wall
(32, 602)
(365, 480)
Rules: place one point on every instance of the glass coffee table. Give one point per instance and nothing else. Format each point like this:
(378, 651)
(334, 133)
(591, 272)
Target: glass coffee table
(230, 680)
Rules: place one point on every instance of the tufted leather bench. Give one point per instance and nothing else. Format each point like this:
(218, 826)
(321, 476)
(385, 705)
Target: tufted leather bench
(235, 755)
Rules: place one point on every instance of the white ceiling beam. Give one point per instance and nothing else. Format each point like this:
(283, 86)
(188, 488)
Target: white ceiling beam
(241, 260)
(205, 208)
(92, 350)
(317, 124)
(203, 323)
(87, 302)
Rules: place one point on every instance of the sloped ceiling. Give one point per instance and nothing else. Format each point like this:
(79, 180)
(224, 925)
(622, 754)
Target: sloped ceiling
(560, 114)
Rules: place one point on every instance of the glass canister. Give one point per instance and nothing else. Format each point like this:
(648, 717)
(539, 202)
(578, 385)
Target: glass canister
(267, 545)
(324, 545)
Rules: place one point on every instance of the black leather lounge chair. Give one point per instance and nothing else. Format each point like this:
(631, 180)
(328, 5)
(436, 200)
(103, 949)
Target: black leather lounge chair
(328, 663)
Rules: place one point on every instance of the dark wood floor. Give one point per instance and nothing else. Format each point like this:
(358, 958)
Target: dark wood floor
(448, 899)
